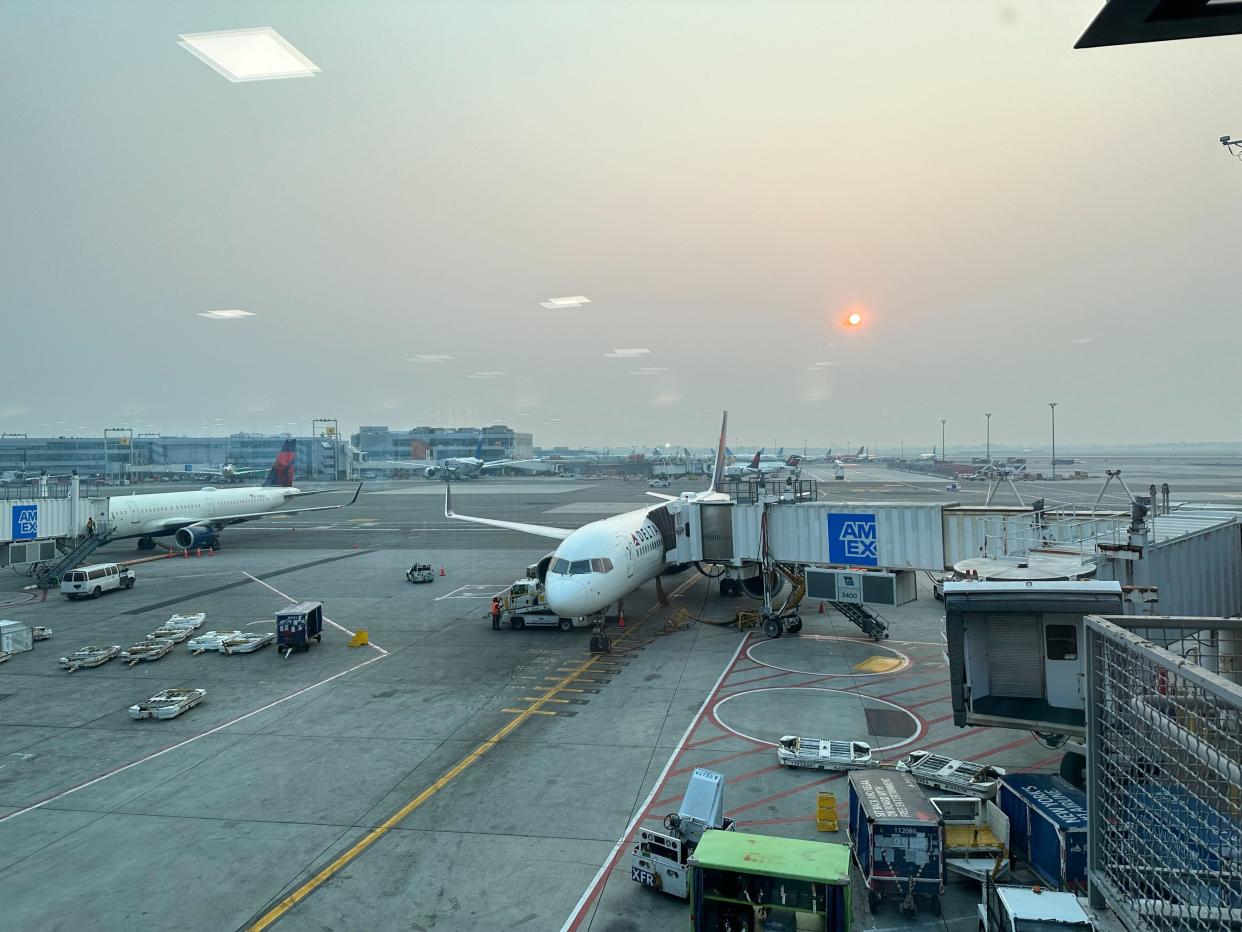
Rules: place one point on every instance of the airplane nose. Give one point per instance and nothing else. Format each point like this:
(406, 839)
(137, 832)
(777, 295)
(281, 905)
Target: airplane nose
(566, 597)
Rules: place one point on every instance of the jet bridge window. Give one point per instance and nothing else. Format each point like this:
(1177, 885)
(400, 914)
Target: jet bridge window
(1062, 642)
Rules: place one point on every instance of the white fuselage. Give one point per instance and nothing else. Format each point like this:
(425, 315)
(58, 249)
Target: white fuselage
(602, 562)
(150, 515)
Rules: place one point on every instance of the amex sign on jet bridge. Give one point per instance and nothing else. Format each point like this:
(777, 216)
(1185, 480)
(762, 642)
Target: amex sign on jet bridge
(890, 535)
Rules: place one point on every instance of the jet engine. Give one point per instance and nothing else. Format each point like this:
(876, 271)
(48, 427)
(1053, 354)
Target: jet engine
(196, 535)
(430, 472)
(752, 581)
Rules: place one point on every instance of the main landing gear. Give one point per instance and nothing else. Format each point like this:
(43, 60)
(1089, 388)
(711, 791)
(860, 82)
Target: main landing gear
(146, 543)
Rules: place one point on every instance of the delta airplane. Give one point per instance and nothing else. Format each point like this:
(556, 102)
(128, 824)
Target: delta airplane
(759, 466)
(460, 467)
(194, 519)
(599, 564)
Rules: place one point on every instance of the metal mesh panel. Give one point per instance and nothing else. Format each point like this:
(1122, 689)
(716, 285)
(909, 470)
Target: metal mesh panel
(1164, 781)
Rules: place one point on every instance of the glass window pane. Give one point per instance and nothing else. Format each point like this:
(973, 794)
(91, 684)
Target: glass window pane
(580, 567)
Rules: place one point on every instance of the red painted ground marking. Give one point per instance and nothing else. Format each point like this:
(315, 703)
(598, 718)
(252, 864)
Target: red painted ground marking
(808, 818)
(758, 773)
(705, 741)
(943, 718)
(757, 666)
(915, 705)
(783, 793)
(1055, 758)
(719, 760)
(758, 678)
(908, 689)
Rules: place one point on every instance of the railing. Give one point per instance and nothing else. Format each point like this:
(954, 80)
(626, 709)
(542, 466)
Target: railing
(751, 491)
(1164, 774)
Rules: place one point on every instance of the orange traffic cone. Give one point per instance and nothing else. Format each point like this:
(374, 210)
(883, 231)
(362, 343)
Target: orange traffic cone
(185, 554)
(621, 619)
(821, 608)
(442, 573)
(198, 552)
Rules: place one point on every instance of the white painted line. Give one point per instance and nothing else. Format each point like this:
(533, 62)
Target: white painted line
(479, 591)
(918, 722)
(181, 744)
(327, 620)
(655, 788)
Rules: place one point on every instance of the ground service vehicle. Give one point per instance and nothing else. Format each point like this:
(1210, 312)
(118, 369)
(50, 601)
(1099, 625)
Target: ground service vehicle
(741, 881)
(898, 839)
(1013, 909)
(659, 859)
(420, 573)
(658, 484)
(91, 581)
(527, 605)
(296, 625)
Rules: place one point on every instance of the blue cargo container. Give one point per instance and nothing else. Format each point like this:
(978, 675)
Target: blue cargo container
(897, 836)
(1199, 846)
(297, 624)
(1047, 827)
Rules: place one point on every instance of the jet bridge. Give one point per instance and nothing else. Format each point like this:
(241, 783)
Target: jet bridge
(33, 519)
(874, 535)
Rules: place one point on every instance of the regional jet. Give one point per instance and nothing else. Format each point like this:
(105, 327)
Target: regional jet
(600, 563)
(460, 467)
(195, 519)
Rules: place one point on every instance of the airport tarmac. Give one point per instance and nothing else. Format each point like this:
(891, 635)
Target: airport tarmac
(446, 775)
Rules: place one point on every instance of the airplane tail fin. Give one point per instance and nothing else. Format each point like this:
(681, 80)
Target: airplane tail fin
(754, 463)
(794, 460)
(281, 472)
(861, 451)
(478, 449)
(719, 468)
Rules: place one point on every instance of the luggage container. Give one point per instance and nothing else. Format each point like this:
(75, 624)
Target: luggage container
(1201, 845)
(898, 840)
(15, 637)
(297, 624)
(1048, 827)
(742, 881)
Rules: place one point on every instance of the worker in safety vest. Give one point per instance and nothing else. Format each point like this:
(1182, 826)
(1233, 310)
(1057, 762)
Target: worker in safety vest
(495, 613)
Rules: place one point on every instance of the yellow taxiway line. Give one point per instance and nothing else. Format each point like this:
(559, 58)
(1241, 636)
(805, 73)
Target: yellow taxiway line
(375, 834)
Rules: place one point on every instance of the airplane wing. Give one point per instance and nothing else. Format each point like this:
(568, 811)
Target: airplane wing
(539, 530)
(667, 498)
(176, 524)
(495, 463)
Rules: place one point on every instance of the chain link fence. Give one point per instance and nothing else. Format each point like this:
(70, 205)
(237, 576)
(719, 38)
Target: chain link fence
(1164, 771)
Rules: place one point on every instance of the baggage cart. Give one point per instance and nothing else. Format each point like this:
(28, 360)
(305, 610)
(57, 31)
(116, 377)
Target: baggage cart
(167, 704)
(823, 753)
(742, 881)
(297, 624)
(951, 775)
(15, 637)
(1047, 827)
(897, 837)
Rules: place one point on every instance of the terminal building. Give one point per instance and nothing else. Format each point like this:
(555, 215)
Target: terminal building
(327, 457)
(499, 442)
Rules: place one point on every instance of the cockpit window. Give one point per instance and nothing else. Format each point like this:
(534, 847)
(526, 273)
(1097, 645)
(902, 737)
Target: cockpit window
(601, 565)
(579, 567)
(560, 566)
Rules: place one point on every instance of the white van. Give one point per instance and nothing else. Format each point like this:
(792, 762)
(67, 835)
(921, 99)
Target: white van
(92, 580)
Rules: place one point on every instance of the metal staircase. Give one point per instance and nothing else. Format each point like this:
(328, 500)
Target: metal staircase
(49, 577)
(869, 621)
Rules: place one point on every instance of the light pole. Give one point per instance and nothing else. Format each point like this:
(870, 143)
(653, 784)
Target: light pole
(943, 451)
(989, 453)
(1052, 406)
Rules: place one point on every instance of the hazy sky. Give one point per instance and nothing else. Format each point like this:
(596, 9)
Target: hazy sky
(1019, 222)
